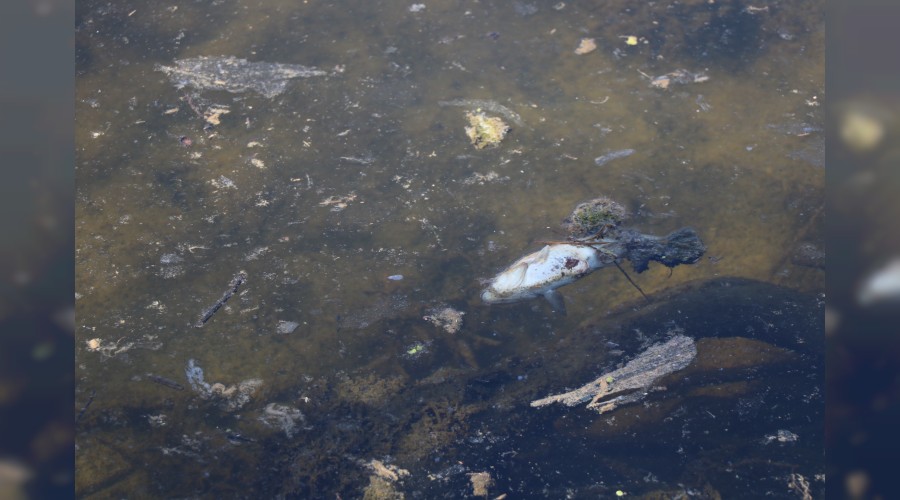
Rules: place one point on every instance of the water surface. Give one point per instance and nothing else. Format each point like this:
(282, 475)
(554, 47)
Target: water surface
(323, 192)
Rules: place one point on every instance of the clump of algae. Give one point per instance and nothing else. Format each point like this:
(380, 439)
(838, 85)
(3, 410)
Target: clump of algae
(485, 131)
(594, 217)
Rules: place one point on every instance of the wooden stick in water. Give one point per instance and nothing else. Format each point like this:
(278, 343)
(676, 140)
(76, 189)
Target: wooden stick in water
(232, 288)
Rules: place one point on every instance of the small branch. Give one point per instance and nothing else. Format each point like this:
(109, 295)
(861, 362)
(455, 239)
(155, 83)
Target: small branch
(632, 282)
(232, 288)
(85, 407)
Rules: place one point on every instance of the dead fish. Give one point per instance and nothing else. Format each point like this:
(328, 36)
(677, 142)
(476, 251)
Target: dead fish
(539, 274)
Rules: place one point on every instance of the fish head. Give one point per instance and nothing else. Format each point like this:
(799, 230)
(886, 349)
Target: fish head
(508, 285)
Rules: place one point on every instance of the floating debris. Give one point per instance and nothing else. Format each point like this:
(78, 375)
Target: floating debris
(285, 327)
(447, 318)
(481, 481)
(256, 253)
(284, 418)
(679, 76)
(800, 485)
(782, 436)
(381, 489)
(223, 183)
(448, 473)
(415, 350)
(395, 277)
(606, 393)
(157, 420)
(480, 179)
(359, 160)
(235, 283)
(612, 155)
(586, 46)
(230, 397)
(213, 114)
(682, 246)
(338, 203)
(382, 481)
(485, 131)
(235, 75)
(110, 349)
(390, 472)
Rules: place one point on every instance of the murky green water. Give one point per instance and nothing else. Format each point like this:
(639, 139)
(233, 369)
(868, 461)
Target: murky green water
(321, 193)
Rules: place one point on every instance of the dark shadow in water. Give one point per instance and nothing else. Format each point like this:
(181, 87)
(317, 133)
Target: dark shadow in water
(731, 38)
(743, 417)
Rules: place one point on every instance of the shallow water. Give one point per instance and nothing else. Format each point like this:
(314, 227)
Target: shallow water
(322, 193)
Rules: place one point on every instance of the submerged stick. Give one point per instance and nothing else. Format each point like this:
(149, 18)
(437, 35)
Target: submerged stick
(165, 381)
(632, 281)
(85, 407)
(232, 288)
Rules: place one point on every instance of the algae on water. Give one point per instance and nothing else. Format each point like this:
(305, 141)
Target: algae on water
(485, 130)
(593, 217)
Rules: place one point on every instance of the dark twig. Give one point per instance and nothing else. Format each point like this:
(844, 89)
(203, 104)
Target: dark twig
(632, 281)
(85, 407)
(232, 288)
(165, 381)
